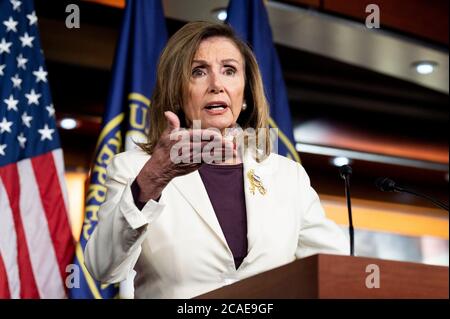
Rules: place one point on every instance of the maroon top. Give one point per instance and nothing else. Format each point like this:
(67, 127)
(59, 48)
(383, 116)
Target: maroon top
(225, 187)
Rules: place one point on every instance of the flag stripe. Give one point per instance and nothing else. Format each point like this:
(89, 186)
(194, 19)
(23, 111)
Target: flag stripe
(59, 163)
(28, 288)
(54, 208)
(42, 253)
(4, 289)
(8, 244)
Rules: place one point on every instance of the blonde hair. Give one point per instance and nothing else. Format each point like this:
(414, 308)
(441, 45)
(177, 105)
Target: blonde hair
(173, 76)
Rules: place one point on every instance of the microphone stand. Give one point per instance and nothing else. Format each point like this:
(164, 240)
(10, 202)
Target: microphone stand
(419, 194)
(386, 184)
(345, 172)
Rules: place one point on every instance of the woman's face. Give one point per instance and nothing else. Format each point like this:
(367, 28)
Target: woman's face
(216, 87)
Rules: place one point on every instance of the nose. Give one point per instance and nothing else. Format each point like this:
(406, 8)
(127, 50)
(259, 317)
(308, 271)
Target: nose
(215, 83)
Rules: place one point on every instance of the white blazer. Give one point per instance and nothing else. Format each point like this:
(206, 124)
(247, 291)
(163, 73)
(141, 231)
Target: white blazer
(176, 245)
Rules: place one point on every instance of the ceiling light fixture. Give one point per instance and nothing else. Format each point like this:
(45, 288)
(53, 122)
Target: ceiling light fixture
(340, 161)
(424, 67)
(68, 123)
(220, 14)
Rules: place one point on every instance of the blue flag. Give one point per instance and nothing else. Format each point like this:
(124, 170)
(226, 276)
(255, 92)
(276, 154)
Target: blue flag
(142, 39)
(250, 21)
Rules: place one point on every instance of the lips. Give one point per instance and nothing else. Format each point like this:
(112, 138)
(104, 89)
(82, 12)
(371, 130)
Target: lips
(216, 107)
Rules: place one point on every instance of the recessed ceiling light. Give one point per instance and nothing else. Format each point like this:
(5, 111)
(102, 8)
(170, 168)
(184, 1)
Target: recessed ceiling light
(220, 14)
(68, 123)
(340, 161)
(424, 67)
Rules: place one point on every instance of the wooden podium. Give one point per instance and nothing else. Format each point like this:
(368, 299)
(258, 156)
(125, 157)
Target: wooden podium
(330, 276)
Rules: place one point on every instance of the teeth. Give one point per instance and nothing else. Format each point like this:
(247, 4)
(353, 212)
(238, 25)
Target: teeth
(220, 107)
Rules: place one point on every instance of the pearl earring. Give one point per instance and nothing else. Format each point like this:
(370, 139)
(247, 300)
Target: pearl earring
(244, 106)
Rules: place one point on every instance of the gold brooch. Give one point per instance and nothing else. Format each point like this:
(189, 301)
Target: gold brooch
(255, 182)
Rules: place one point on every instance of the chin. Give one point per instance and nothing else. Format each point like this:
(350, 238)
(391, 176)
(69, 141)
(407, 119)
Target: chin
(218, 124)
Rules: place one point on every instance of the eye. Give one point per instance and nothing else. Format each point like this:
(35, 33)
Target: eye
(230, 71)
(198, 72)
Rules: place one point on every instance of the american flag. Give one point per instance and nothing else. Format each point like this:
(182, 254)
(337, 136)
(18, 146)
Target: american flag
(36, 242)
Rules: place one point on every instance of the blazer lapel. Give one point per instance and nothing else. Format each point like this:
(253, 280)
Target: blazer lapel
(192, 189)
(257, 204)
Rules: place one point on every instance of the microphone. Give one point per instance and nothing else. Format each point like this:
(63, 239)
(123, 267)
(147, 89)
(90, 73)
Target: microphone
(386, 184)
(345, 171)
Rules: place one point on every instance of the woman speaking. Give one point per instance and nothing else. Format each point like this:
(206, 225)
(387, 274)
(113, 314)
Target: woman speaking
(206, 201)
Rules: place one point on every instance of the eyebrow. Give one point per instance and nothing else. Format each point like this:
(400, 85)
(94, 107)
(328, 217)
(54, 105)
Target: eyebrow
(203, 62)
